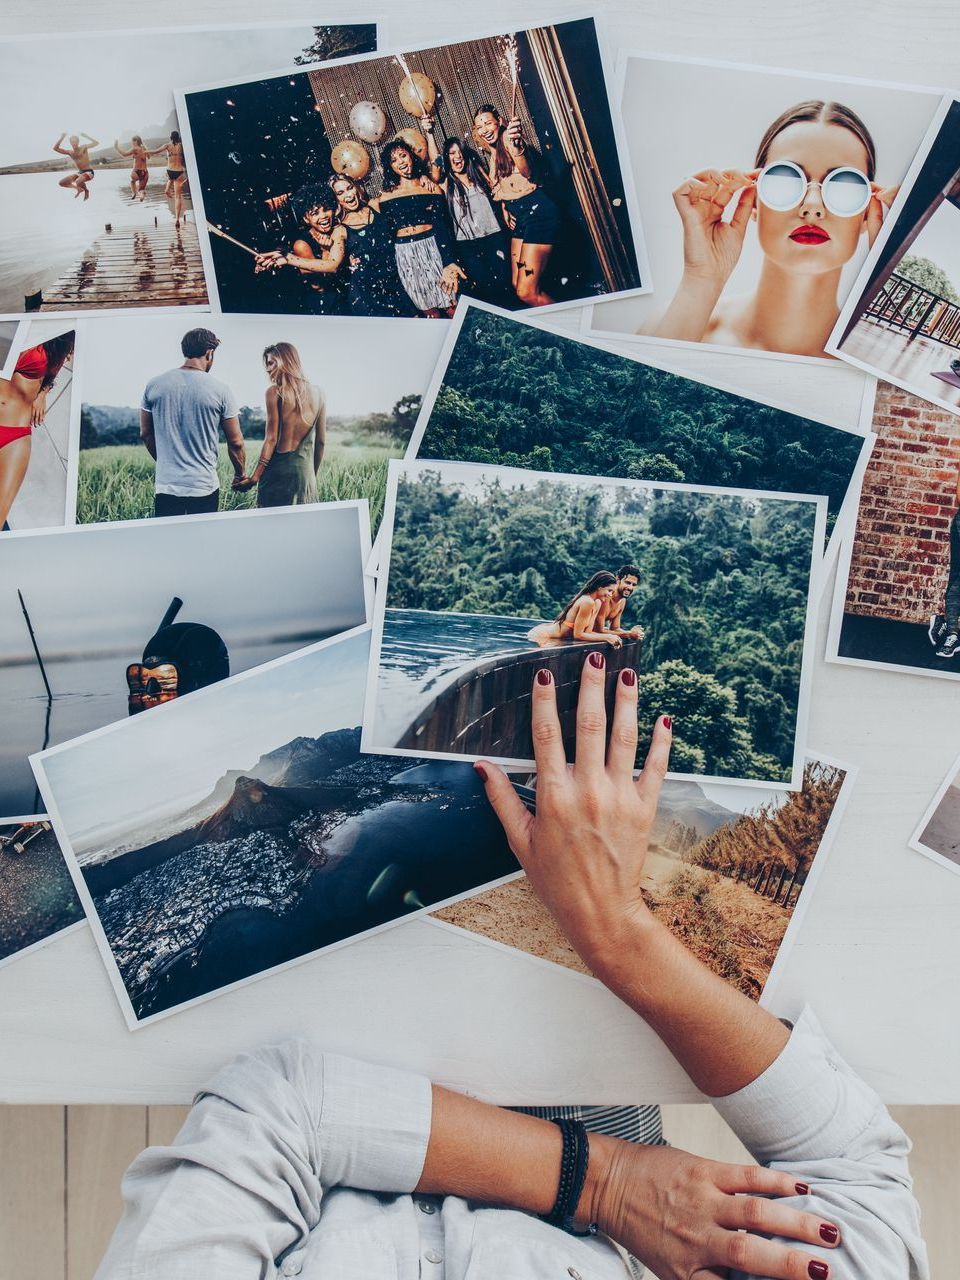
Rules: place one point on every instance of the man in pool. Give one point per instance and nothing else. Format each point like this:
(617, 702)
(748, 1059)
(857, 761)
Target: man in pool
(611, 611)
(79, 153)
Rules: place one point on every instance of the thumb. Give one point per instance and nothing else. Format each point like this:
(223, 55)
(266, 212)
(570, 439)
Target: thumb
(874, 218)
(517, 822)
(745, 206)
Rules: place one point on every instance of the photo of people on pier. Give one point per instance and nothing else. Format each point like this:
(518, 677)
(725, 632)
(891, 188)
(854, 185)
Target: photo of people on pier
(492, 573)
(272, 839)
(902, 319)
(390, 186)
(95, 207)
(38, 421)
(234, 412)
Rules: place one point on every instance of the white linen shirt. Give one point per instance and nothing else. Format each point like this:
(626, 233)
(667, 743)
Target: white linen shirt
(293, 1162)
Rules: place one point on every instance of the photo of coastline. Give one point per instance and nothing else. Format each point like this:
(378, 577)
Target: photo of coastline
(493, 572)
(102, 621)
(334, 449)
(272, 837)
(729, 871)
(388, 186)
(37, 897)
(100, 215)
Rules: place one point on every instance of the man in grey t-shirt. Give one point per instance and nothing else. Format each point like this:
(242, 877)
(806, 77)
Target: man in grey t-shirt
(181, 416)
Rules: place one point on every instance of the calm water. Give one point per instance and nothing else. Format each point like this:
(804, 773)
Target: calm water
(43, 229)
(89, 693)
(420, 651)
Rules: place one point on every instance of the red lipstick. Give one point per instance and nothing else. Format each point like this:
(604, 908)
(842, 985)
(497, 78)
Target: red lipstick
(809, 233)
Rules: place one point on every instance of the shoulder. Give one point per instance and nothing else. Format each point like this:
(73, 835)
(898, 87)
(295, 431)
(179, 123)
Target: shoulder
(273, 394)
(726, 326)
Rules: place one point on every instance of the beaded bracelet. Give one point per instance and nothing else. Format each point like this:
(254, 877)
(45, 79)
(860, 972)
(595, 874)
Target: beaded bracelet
(574, 1159)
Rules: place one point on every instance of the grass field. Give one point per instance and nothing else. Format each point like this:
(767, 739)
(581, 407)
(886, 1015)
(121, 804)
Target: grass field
(116, 482)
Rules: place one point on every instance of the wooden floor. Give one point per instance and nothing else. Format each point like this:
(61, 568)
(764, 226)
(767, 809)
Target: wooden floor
(59, 1186)
(911, 362)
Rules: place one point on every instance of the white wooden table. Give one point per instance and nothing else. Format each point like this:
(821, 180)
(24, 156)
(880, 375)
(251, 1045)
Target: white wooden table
(879, 951)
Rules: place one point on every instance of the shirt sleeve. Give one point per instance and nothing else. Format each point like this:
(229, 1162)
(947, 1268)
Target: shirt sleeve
(230, 409)
(809, 1114)
(244, 1180)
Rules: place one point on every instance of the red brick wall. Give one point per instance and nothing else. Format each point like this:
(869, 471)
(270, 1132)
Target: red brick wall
(901, 550)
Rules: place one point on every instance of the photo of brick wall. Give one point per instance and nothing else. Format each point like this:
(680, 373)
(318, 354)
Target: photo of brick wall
(901, 595)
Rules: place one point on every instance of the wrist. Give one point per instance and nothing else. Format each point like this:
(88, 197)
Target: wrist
(624, 945)
(702, 286)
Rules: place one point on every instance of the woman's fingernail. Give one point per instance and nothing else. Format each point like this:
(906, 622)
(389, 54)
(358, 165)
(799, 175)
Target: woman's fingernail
(667, 722)
(596, 660)
(544, 675)
(628, 676)
(479, 769)
(818, 1270)
(829, 1234)
(802, 1189)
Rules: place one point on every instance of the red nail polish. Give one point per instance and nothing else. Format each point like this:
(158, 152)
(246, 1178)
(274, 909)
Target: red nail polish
(544, 675)
(828, 1233)
(480, 771)
(802, 1189)
(629, 677)
(667, 722)
(596, 660)
(818, 1270)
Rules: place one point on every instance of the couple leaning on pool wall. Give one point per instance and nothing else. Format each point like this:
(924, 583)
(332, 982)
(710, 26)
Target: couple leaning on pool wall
(595, 613)
(446, 217)
(184, 410)
(812, 195)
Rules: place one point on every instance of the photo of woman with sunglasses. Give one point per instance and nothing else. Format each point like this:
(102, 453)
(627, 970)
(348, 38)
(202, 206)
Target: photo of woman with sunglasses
(812, 195)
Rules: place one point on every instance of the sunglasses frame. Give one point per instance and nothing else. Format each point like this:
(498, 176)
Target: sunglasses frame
(807, 183)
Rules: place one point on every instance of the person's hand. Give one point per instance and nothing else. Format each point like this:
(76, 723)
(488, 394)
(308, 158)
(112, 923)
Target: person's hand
(427, 123)
(880, 201)
(38, 410)
(270, 261)
(637, 632)
(450, 278)
(242, 483)
(513, 135)
(686, 1217)
(613, 639)
(712, 246)
(584, 850)
(508, 218)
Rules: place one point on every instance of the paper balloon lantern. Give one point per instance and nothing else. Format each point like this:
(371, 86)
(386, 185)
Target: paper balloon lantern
(415, 141)
(368, 122)
(418, 97)
(350, 158)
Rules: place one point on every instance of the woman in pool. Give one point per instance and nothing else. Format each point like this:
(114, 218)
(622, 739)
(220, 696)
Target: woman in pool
(812, 195)
(295, 435)
(530, 213)
(578, 621)
(413, 209)
(23, 406)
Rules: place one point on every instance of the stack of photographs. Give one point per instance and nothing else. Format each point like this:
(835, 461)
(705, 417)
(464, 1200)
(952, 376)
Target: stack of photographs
(278, 568)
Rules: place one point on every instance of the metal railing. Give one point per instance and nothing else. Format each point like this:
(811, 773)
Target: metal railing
(908, 308)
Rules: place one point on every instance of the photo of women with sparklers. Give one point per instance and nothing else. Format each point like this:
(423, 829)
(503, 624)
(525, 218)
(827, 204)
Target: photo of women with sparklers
(490, 167)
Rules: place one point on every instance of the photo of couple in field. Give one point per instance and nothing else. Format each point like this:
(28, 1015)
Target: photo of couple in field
(180, 420)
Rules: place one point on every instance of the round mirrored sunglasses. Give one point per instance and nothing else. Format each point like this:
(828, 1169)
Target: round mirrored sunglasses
(782, 186)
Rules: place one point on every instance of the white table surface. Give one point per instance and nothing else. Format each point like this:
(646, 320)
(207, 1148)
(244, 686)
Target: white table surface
(879, 951)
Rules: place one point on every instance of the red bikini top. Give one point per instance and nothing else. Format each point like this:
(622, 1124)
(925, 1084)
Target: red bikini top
(33, 363)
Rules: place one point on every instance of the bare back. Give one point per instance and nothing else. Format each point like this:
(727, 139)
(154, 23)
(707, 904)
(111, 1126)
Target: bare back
(296, 426)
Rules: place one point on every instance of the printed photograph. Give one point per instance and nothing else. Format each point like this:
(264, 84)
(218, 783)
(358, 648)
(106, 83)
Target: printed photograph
(897, 596)
(95, 204)
(508, 393)
(386, 186)
(902, 319)
(761, 200)
(37, 897)
(728, 871)
(938, 834)
(37, 424)
(277, 413)
(493, 573)
(8, 337)
(272, 837)
(108, 621)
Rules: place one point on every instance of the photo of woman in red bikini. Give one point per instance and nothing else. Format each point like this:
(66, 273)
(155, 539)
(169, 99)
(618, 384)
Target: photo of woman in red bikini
(23, 407)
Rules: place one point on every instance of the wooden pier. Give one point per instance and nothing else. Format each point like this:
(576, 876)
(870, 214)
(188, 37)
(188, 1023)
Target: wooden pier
(143, 262)
(486, 709)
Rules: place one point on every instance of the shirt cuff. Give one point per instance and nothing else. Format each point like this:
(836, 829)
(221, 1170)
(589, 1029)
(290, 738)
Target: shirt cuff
(808, 1104)
(374, 1125)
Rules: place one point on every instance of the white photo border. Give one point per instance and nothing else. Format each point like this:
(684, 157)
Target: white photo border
(916, 843)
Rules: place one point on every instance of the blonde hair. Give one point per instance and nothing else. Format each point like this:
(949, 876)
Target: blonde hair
(289, 378)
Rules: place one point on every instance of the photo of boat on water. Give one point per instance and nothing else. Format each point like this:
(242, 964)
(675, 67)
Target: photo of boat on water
(493, 573)
(242, 830)
(79, 608)
(95, 207)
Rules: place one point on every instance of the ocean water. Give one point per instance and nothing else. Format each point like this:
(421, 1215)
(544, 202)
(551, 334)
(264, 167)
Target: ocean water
(44, 229)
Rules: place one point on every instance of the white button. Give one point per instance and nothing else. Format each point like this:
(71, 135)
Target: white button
(426, 1207)
(293, 1265)
(432, 1256)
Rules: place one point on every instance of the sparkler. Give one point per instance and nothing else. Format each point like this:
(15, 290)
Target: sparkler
(511, 64)
(218, 231)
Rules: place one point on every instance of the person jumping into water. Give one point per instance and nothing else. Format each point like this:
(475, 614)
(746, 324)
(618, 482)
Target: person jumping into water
(79, 153)
(139, 173)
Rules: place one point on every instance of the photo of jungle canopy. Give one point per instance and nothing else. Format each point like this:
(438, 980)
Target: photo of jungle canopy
(487, 566)
(513, 394)
(725, 872)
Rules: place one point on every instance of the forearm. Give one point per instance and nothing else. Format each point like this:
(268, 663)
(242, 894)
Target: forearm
(238, 456)
(688, 315)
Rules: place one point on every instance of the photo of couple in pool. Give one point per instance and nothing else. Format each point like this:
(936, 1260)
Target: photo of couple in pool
(492, 575)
